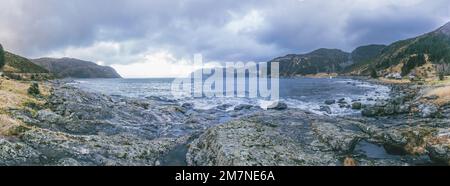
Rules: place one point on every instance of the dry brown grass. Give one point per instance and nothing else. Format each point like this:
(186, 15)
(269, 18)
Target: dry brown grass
(8, 68)
(8, 124)
(426, 71)
(322, 75)
(443, 93)
(394, 81)
(349, 161)
(14, 95)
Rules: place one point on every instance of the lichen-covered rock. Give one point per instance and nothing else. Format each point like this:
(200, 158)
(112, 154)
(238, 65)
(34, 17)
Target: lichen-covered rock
(82, 128)
(440, 153)
(372, 111)
(246, 143)
(58, 148)
(356, 105)
(428, 110)
(341, 140)
(439, 148)
(17, 154)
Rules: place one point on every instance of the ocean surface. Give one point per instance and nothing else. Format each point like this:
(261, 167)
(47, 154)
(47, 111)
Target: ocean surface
(303, 93)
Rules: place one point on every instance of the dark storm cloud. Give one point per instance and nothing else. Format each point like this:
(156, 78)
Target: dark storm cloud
(392, 23)
(121, 32)
(364, 31)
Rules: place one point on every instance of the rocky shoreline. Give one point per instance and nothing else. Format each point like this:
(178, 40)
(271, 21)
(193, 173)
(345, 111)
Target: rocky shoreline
(76, 127)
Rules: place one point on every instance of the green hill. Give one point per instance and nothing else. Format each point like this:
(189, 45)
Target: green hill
(366, 53)
(75, 68)
(327, 61)
(422, 56)
(318, 61)
(17, 64)
(361, 57)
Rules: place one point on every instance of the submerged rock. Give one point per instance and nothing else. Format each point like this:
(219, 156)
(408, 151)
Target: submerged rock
(330, 102)
(325, 109)
(187, 105)
(342, 101)
(242, 107)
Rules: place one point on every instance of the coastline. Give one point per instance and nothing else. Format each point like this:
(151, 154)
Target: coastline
(83, 128)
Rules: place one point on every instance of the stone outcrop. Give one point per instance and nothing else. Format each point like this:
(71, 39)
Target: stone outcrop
(76, 127)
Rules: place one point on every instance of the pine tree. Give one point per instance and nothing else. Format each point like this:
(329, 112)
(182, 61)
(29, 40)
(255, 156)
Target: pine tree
(441, 76)
(373, 73)
(2, 57)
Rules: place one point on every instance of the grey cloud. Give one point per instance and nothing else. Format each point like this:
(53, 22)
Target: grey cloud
(392, 23)
(184, 27)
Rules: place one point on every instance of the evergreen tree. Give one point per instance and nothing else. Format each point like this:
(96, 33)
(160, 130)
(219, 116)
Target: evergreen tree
(441, 76)
(373, 73)
(413, 62)
(2, 57)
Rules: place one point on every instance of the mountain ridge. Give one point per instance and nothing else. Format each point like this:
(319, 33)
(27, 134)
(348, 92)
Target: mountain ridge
(75, 68)
(423, 56)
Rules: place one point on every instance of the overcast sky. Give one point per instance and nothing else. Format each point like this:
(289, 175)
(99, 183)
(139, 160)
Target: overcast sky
(142, 38)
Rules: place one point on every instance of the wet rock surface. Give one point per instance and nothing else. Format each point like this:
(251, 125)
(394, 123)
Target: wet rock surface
(397, 131)
(82, 128)
(294, 137)
(261, 140)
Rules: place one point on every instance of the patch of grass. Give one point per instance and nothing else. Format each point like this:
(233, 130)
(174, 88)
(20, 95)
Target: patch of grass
(394, 81)
(443, 94)
(18, 64)
(8, 125)
(14, 95)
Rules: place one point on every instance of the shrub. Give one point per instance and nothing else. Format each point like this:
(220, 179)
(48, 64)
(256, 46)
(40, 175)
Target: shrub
(441, 76)
(34, 89)
(13, 76)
